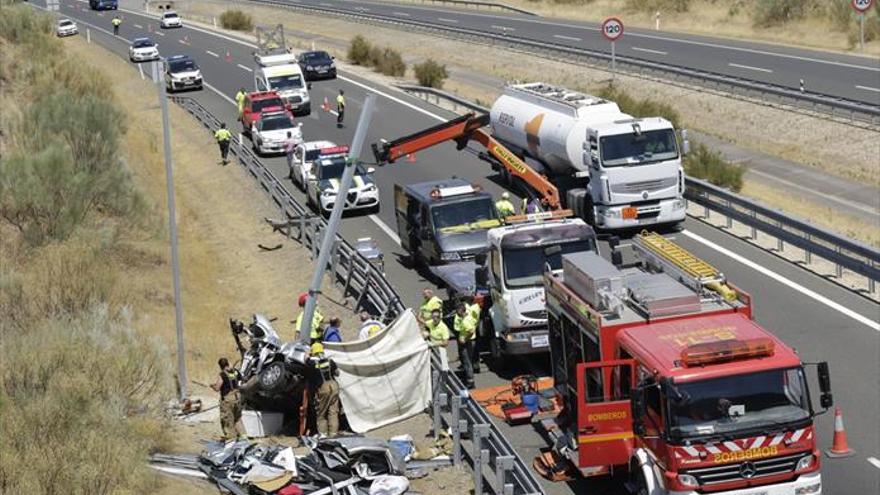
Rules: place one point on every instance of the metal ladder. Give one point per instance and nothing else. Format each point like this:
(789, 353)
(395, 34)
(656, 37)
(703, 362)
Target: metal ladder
(680, 263)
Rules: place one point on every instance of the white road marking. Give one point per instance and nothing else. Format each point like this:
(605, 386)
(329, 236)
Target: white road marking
(141, 70)
(648, 50)
(325, 5)
(138, 26)
(245, 67)
(874, 461)
(220, 93)
(784, 281)
(385, 228)
(503, 28)
(749, 67)
(869, 88)
(569, 38)
(443, 19)
(850, 204)
(401, 14)
(209, 52)
(159, 33)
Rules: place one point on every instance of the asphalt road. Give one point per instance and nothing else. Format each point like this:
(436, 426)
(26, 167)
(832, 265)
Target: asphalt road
(823, 321)
(835, 74)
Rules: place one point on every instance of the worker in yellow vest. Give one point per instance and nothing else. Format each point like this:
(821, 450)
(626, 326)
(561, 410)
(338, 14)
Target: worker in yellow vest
(475, 310)
(504, 207)
(465, 326)
(318, 318)
(430, 302)
(116, 23)
(239, 100)
(437, 331)
(223, 137)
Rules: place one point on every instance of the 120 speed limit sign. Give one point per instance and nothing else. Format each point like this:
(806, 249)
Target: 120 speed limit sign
(612, 28)
(862, 6)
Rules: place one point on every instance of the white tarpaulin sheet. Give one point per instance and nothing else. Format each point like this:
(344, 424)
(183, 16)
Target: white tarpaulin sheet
(386, 378)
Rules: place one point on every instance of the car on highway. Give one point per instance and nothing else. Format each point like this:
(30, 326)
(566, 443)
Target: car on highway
(317, 65)
(269, 134)
(103, 4)
(143, 49)
(66, 27)
(170, 20)
(182, 72)
(257, 103)
(323, 186)
(280, 72)
(304, 157)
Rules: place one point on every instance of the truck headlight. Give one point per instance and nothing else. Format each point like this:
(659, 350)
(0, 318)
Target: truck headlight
(807, 490)
(687, 480)
(806, 462)
(451, 256)
(677, 204)
(612, 213)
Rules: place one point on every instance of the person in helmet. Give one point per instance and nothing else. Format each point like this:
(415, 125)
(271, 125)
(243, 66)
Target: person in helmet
(322, 383)
(317, 318)
(504, 206)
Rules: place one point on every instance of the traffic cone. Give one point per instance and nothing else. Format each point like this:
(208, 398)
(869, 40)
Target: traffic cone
(326, 105)
(839, 447)
(185, 40)
(228, 56)
(410, 158)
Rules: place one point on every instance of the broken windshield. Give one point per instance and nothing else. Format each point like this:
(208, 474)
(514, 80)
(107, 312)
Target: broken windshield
(638, 149)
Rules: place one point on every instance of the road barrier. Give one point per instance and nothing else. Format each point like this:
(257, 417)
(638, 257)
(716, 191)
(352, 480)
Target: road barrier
(845, 110)
(844, 253)
(498, 469)
(478, 5)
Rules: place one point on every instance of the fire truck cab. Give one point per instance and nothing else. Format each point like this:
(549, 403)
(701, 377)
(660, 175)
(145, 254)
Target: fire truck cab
(662, 372)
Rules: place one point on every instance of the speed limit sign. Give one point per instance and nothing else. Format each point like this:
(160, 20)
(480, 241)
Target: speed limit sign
(862, 6)
(612, 28)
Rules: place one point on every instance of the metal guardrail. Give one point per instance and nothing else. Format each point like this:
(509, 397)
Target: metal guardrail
(498, 469)
(844, 253)
(851, 111)
(489, 5)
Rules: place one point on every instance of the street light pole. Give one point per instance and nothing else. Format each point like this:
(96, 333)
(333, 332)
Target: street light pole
(360, 135)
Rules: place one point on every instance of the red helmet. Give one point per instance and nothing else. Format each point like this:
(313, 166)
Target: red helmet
(303, 298)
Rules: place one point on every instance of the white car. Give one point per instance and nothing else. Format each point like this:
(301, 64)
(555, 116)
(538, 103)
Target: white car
(305, 155)
(170, 20)
(323, 187)
(143, 49)
(270, 133)
(182, 72)
(66, 27)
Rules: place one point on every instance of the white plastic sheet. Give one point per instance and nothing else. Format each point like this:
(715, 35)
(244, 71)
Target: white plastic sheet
(384, 379)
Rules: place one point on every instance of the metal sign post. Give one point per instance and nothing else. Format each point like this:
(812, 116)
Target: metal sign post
(53, 5)
(360, 135)
(861, 7)
(612, 30)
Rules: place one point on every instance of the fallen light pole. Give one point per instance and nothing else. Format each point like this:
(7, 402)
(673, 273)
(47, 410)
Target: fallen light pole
(360, 135)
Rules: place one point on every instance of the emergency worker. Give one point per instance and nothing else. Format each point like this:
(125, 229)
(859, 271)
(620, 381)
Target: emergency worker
(369, 326)
(239, 100)
(223, 137)
(317, 318)
(466, 329)
(340, 108)
(437, 331)
(504, 207)
(430, 302)
(116, 23)
(326, 391)
(230, 400)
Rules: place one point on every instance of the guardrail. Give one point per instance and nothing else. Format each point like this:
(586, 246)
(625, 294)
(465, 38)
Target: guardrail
(844, 253)
(489, 5)
(498, 469)
(850, 111)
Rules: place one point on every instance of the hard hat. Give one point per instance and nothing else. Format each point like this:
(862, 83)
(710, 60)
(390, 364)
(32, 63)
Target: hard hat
(303, 298)
(317, 348)
(505, 195)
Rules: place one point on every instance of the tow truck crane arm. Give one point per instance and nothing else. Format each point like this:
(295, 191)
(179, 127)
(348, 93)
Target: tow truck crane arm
(461, 130)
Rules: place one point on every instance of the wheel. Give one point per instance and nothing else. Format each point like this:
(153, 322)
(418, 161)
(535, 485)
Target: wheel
(589, 212)
(274, 378)
(495, 353)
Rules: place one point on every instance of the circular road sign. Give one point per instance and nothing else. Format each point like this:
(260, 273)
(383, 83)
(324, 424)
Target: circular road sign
(612, 28)
(862, 6)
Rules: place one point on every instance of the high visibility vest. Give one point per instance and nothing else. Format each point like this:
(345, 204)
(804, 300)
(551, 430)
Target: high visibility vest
(474, 310)
(465, 326)
(239, 98)
(429, 306)
(340, 102)
(438, 334)
(116, 21)
(372, 327)
(222, 135)
(317, 318)
(505, 208)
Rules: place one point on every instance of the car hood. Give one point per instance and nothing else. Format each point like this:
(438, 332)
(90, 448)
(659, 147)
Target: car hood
(464, 242)
(281, 134)
(359, 182)
(190, 73)
(147, 49)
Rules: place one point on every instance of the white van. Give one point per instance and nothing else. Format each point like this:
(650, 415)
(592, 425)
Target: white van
(281, 73)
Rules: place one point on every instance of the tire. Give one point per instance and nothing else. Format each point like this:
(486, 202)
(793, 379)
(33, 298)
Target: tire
(495, 353)
(274, 378)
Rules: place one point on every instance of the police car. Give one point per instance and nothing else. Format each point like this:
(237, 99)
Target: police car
(305, 155)
(323, 185)
(181, 72)
(269, 134)
(143, 49)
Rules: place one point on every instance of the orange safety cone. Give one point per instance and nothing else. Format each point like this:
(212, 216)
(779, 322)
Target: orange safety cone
(326, 105)
(228, 56)
(185, 40)
(410, 158)
(839, 447)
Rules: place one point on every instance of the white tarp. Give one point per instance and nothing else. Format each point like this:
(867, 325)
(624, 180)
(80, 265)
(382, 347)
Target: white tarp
(386, 378)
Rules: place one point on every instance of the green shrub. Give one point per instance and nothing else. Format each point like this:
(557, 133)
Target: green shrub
(236, 20)
(431, 74)
(664, 6)
(709, 165)
(846, 20)
(769, 13)
(640, 108)
(391, 63)
(359, 51)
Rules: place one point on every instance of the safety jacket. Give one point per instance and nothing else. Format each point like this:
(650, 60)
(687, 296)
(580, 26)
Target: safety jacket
(116, 21)
(505, 208)
(229, 382)
(317, 318)
(324, 367)
(222, 135)
(466, 327)
(429, 306)
(438, 334)
(474, 310)
(239, 99)
(340, 102)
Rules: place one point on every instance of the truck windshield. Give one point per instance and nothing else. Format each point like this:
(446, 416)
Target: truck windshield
(465, 216)
(293, 81)
(525, 267)
(629, 149)
(742, 402)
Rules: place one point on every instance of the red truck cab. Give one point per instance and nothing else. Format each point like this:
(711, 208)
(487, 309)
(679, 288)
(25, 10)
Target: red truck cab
(257, 103)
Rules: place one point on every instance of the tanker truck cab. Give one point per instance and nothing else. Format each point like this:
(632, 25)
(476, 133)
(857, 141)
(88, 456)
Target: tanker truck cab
(280, 72)
(663, 373)
(518, 256)
(443, 221)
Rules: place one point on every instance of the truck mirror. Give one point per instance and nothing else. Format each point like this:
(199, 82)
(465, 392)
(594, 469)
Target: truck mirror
(826, 400)
(481, 276)
(637, 404)
(480, 259)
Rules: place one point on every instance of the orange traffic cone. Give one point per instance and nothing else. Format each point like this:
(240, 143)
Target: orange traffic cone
(326, 105)
(228, 56)
(410, 158)
(185, 40)
(839, 447)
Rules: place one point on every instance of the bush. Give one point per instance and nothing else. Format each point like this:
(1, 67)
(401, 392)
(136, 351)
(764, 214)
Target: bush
(709, 165)
(391, 63)
(846, 20)
(236, 20)
(651, 6)
(769, 13)
(640, 108)
(359, 51)
(431, 74)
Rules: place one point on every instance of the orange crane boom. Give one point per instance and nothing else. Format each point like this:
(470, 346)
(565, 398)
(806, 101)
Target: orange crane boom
(461, 130)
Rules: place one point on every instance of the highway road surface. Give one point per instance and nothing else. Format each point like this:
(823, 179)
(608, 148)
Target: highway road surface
(820, 319)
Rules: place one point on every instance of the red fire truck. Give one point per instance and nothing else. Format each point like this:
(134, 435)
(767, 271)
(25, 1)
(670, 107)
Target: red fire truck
(662, 373)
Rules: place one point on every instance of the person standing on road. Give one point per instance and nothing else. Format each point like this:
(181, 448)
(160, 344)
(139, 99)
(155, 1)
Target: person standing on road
(326, 391)
(430, 302)
(289, 147)
(437, 331)
(223, 137)
(466, 327)
(504, 206)
(230, 400)
(340, 108)
(239, 100)
(116, 23)
(369, 326)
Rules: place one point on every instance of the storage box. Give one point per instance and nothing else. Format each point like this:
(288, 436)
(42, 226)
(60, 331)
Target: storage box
(660, 295)
(261, 424)
(593, 278)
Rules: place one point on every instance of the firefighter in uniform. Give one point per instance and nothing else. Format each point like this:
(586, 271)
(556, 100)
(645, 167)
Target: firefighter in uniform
(239, 100)
(326, 390)
(230, 399)
(430, 302)
(504, 206)
(223, 137)
(318, 318)
(465, 326)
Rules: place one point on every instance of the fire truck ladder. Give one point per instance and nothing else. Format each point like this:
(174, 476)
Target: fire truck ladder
(677, 261)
